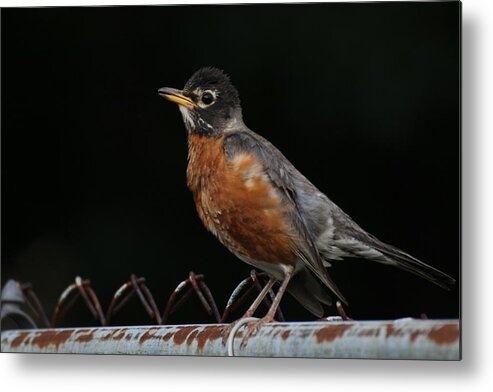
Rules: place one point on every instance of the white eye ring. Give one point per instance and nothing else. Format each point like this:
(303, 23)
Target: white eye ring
(207, 98)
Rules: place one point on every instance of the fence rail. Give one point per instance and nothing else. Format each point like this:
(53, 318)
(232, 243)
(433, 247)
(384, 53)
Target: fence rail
(398, 339)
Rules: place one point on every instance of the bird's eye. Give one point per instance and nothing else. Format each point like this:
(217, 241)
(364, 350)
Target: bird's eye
(207, 98)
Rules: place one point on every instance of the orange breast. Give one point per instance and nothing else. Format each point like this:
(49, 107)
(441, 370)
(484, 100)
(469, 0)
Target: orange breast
(237, 203)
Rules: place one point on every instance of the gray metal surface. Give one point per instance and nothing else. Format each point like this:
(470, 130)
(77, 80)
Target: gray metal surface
(399, 339)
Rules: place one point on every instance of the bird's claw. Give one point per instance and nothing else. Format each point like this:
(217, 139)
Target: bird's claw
(253, 328)
(231, 330)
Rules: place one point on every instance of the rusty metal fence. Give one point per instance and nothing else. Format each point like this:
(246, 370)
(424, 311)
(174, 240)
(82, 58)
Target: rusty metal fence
(400, 339)
(336, 337)
(21, 304)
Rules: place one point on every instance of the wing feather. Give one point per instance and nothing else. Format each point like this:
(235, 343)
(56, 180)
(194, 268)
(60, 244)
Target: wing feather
(283, 175)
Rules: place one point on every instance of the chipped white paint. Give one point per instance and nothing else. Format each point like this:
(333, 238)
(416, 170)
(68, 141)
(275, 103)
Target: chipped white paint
(400, 339)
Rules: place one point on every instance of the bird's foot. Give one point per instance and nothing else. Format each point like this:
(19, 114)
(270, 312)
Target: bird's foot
(254, 327)
(229, 333)
(232, 328)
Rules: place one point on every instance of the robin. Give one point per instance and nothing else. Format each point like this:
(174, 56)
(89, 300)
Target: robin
(263, 209)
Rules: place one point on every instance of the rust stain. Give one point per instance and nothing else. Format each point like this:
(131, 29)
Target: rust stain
(415, 335)
(120, 335)
(167, 336)
(45, 339)
(209, 334)
(191, 337)
(19, 339)
(393, 331)
(331, 332)
(181, 335)
(444, 335)
(149, 334)
(84, 337)
(107, 336)
(117, 334)
(370, 332)
(285, 335)
(440, 335)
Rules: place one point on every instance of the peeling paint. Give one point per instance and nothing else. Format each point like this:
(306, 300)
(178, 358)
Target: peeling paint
(57, 338)
(84, 336)
(409, 339)
(209, 334)
(181, 335)
(191, 337)
(370, 332)
(167, 336)
(444, 335)
(414, 335)
(331, 332)
(149, 334)
(18, 340)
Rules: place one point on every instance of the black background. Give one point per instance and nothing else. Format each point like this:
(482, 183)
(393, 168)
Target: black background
(362, 98)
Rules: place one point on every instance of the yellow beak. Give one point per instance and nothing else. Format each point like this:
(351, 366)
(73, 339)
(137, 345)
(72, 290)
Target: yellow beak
(176, 96)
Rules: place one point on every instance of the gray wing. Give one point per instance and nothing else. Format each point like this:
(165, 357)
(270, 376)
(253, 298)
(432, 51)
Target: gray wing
(337, 236)
(330, 233)
(286, 179)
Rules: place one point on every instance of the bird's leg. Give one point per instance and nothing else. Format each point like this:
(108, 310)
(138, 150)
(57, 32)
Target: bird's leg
(269, 317)
(251, 310)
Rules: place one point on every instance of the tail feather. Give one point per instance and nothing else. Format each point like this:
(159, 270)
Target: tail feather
(409, 263)
(309, 292)
(352, 240)
(406, 262)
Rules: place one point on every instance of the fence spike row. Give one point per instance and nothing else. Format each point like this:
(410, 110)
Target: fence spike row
(20, 303)
(134, 286)
(81, 288)
(331, 337)
(194, 283)
(35, 305)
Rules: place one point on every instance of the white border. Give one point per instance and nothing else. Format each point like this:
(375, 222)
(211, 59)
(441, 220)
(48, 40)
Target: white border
(474, 373)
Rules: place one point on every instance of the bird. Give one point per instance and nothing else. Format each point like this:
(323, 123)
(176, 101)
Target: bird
(263, 210)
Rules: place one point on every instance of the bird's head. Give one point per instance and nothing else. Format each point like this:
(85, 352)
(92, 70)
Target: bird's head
(209, 103)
